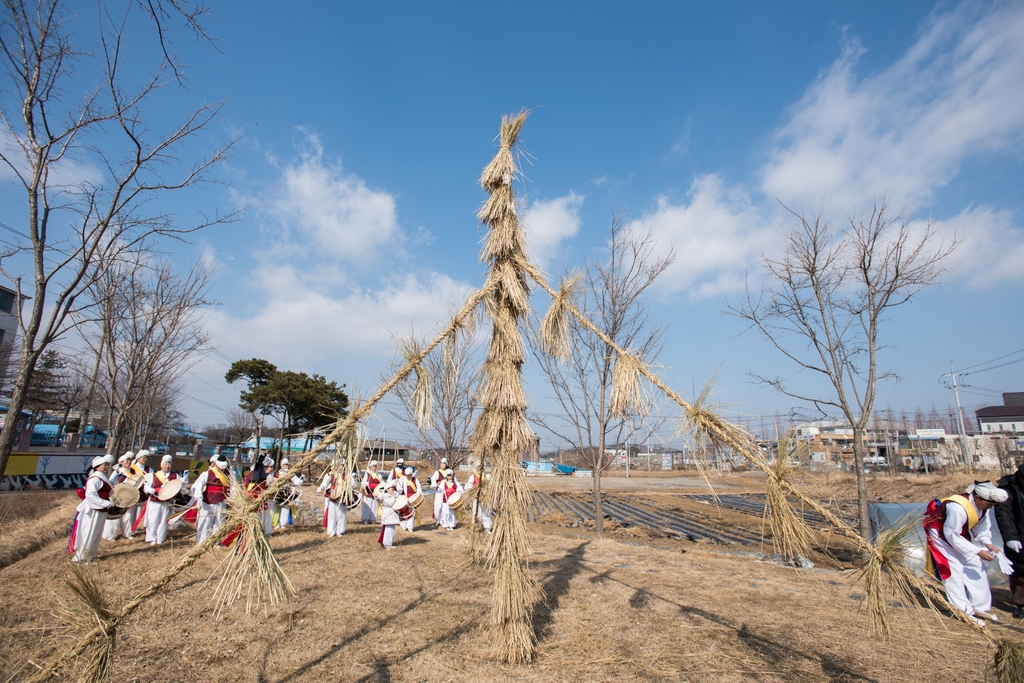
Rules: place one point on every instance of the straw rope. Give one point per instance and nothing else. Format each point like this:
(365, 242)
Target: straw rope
(192, 556)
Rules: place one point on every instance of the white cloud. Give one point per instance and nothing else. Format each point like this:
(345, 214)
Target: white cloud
(715, 235)
(300, 326)
(958, 91)
(342, 217)
(549, 223)
(991, 249)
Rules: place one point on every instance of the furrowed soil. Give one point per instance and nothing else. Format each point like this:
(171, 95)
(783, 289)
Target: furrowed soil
(633, 606)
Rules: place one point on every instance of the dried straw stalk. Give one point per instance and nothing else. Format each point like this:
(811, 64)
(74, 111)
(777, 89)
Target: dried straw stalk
(627, 392)
(795, 541)
(422, 400)
(252, 569)
(554, 328)
(99, 633)
(501, 431)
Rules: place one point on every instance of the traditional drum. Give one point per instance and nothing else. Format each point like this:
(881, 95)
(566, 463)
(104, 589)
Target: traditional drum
(455, 500)
(402, 507)
(174, 493)
(287, 495)
(123, 497)
(416, 499)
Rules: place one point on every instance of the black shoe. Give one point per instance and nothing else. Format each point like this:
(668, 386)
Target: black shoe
(1018, 612)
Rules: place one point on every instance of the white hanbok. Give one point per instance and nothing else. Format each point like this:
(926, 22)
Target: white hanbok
(157, 511)
(448, 518)
(211, 515)
(335, 514)
(91, 517)
(435, 483)
(967, 587)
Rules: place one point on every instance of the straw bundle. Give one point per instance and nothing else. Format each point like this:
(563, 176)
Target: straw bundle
(89, 611)
(252, 569)
(627, 392)
(790, 535)
(887, 577)
(421, 396)
(554, 328)
(1009, 662)
(501, 431)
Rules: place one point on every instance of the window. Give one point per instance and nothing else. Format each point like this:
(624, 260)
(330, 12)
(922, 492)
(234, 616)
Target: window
(6, 301)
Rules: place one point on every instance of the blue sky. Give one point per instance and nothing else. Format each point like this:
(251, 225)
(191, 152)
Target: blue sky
(368, 124)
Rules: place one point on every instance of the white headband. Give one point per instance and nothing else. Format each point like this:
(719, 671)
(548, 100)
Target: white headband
(986, 490)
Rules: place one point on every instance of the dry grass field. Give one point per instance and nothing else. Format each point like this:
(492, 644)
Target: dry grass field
(630, 607)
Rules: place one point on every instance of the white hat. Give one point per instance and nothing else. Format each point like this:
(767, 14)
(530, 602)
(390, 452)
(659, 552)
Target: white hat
(449, 473)
(99, 460)
(141, 454)
(400, 460)
(444, 460)
(408, 471)
(167, 458)
(214, 457)
(126, 456)
(986, 490)
(220, 461)
(373, 463)
(390, 484)
(109, 458)
(268, 461)
(284, 461)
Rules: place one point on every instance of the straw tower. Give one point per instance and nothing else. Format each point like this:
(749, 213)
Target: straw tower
(501, 429)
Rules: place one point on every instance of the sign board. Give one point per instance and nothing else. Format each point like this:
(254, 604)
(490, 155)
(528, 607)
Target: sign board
(666, 461)
(930, 432)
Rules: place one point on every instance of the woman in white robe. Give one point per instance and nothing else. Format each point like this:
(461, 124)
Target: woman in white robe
(87, 530)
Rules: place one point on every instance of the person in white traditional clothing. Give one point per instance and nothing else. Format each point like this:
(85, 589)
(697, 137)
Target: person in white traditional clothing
(407, 486)
(952, 524)
(157, 511)
(449, 487)
(368, 487)
(388, 517)
(138, 511)
(480, 511)
(211, 489)
(112, 528)
(256, 482)
(87, 529)
(284, 515)
(396, 473)
(335, 514)
(435, 483)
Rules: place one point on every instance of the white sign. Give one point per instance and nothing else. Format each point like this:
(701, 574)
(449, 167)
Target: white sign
(930, 432)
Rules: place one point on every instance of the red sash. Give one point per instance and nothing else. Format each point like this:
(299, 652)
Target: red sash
(449, 491)
(935, 519)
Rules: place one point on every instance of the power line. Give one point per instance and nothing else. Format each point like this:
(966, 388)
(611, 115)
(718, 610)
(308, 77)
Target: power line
(993, 360)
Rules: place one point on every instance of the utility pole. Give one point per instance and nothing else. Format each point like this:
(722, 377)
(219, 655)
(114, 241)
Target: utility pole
(627, 460)
(960, 417)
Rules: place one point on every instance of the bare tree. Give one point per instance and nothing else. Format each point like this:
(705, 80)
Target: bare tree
(825, 299)
(153, 340)
(240, 425)
(610, 296)
(91, 168)
(454, 371)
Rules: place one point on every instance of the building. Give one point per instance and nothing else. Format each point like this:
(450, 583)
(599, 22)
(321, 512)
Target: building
(1005, 419)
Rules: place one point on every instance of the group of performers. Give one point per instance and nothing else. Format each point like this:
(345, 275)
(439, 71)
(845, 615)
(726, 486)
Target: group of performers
(385, 500)
(392, 501)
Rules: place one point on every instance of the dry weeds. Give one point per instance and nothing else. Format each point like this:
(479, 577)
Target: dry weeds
(624, 610)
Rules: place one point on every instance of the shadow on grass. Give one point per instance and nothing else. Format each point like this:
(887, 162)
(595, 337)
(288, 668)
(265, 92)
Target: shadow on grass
(773, 653)
(561, 572)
